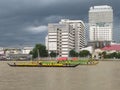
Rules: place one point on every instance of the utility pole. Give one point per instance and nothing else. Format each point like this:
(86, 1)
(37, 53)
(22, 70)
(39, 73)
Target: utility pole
(38, 54)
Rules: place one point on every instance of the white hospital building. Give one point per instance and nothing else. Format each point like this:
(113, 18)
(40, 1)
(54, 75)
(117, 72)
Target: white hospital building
(65, 36)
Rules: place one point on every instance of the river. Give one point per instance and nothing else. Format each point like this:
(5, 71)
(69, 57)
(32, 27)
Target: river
(104, 76)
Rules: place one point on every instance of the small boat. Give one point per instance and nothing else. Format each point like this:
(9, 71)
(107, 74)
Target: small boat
(42, 65)
(90, 63)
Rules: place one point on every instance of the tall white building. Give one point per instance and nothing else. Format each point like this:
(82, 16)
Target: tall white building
(65, 36)
(78, 32)
(101, 23)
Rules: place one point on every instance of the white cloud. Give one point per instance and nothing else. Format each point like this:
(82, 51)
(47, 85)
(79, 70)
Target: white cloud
(36, 29)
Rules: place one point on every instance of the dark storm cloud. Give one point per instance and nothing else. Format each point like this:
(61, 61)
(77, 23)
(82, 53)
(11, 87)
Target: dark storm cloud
(25, 21)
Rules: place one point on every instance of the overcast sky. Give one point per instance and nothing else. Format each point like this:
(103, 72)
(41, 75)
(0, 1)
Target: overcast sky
(24, 22)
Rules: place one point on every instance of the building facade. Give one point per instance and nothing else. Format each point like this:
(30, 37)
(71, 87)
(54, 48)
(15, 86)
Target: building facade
(65, 36)
(26, 50)
(101, 23)
(78, 33)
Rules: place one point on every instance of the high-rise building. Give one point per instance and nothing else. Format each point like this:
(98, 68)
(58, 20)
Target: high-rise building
(101, 23)
(78, 32)
(65, 36)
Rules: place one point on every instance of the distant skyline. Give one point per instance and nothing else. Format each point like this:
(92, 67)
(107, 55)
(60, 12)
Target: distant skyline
(24, 22)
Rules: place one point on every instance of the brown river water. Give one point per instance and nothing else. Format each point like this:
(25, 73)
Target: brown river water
(104, 76)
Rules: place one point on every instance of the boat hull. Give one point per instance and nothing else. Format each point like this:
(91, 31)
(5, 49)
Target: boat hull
(91, 63)
(16, 65)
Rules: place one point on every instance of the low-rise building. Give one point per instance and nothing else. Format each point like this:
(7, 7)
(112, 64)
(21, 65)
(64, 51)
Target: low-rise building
(89, 48)
(26, 50)
(112, 48)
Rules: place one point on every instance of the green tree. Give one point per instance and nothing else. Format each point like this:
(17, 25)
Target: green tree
(53, 54)
(73, 53)
(113, 55)
(104, 54)
(84, 53)
(118, 55)
(40, 50)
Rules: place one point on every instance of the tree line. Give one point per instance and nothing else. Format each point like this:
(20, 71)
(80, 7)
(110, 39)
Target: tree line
(83, 53)
(110, 55)
(40, 51)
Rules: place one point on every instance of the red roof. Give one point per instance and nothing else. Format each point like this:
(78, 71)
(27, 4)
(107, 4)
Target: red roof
(112, 47)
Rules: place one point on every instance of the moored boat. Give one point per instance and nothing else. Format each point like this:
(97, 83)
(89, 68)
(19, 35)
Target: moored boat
(41, 65)
(90, 63)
